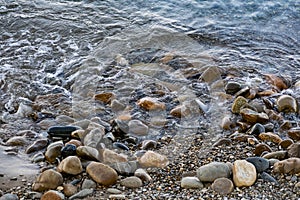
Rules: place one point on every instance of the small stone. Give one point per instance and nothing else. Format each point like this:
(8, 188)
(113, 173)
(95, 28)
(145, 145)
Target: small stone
(89, 153)
(113, 191)
(68, 150)
(191, 183)
(117, 196)
(88, 184)
(288, 166)
(211, 74)
(223, 141)
(226, 123)
(70, 165)
(105, 97)
(120, 145)
(9, 196)
(148, 144)
(270, 137)
(102, 173)
(49, 179)
(94, 136)
(53, 195)
(153, 159)
(17, 141)
(267, 177)
(212, 171)
(260, 148)
(37, 145)
(286, 143)
(253, 116)
(110, 157)
(261, 164)
(75, 142)
(178, 111)
(53, 151)
(276, 81)
(276, 154)
(256, 129)
(117, 106)
(69, 189)
(82, 194)
(238, 103)
(137, 128)
(150, 104)
(287, 103)
(143, 175)
(252, 141)
(294, 133)
(232, 87)
(223, 186)
(132, 182)
(244, 173)
(126, 168)
(294, 150)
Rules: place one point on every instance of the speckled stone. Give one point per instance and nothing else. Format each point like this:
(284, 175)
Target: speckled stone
(191, 183)
(132, 182)
(244, 173)
(212, 171)
(223, 186)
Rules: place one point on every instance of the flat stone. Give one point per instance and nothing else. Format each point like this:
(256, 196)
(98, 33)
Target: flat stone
(260, 148)
(244, 173)
(137, 128)
(143, 175)
(49, 179)
(288, 166)
(52, 195)
(17, 141)
(82, 194)
(270, 137)
(222, 186)
(268, 178)
(117, 196)
(253, 116)
(238, 103)
(9, 196)
(153, 159)
(88, 184)
(280, 155)
(61, 131)
(102, 173)
(126, 168)
(110, 157)
(113, 191)
(286, 143)
(294, 150)
(191, 183)
(150, 104)
(132, 182)
(69, 189)
(287, 103)
(212, 171)
(37, 145)
(211, 74)
(261, 164)
(70, 165)
(39, 157)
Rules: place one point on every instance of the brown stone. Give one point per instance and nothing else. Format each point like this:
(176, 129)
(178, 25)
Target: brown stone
(294, 133)
(238, 103)
(70, 165)
(149, 103)
(153, 159)
(102, 173)
(211, 74)
(294, 150)
(286, 143)
(276, 81)
(105, 97)
(287, 103)
(222, 186)
(110, 157)
(49, 179)
(288, 166)
(52, 195)
(69, 189)
(253, 116)
(280, 155)
(270, 137)
(260, 148)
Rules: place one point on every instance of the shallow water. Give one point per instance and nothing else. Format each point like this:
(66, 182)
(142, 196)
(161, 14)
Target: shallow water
(71, 47)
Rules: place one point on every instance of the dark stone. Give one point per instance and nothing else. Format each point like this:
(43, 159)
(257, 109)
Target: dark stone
(267, 177)
(256, 129)
(62, 131)
(294, 133)
(261, 164)
(68, 150)
(120, 146)
(232, 87)
(37, 145)
(260, 148)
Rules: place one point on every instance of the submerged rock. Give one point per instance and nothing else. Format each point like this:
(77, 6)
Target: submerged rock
(37, 145)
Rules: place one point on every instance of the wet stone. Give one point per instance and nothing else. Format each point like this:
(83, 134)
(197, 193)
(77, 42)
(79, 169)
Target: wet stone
(268, 178)
(138, 128)
(276, 81)
(94, 137)
(223, 186)
(286, 143)
(212, 171)
(261, 164)
(256, 129)
(37, 145)
(253, 116)
(120, 145)
(211, 74)
(294, 133)
(294, 150)
(68, 150)
(226, 123)
(232, 87)
(244, 173)
(132, 182)
(288, 166)
(238, 103)
(260, 148)
(70, 165)
(17, 141)
(191, 183)
(270, 137)
(39, 157)
(117, 106)
(150, 104)
(105, 97)
(286, 103)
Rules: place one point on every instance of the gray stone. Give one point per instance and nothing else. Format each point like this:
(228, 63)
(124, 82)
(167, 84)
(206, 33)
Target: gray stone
(212, 171)
(9, 196)
(89, 153)
(280, 155)
(143, 175)
(117, 196)
(88, 184)
(17, 141)
(267, 177)
(261, 164)
(272, 161)
(132, 182)
(82, 194)
(126, 168)
(39, 157)
(37, 145)
(191, 183)
(138, 128)
(94, 137)
(211, 74)
(113, 191)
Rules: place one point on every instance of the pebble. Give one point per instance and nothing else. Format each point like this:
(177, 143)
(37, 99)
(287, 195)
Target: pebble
(287, 103)
(52, 195)
(69, 189)
(49, 179)
(82, 194)
(286, 143)
(270, 137)
(131, 182)
(294, 133)
(117, 196)
(267, 177)
(238, 103)
(126, 168)
(113, 191)
(70, 165)
(222, 141)
(150, 104)
(89, 153)
(105, 97)
(260, 148)
(294, 150)
(223, 186)
(9, 196)
(75, 142)
(53, 151)
(256, 129)
(110, 157)
(137, 128)
(226, 123)
(88, 184)
(232, 87)
(153, 159)
(212, 171)
(68, 150)
(102, 173)
(280, 155)
(211, 74)
(17, 141)
(244, 173)
(290, 165)
(148, 144)
(191, 183)
(143, 175)
(39, 157)
(117, 106)
(261, 164)
(94, 137)
(253, 116)
(61, 131)
(37, 145)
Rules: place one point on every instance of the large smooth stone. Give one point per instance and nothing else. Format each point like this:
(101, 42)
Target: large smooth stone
(191, 183)
(270, 137)
(37, 145)
(288, 166)
(222, 186)
(267, 177)
(132, 182)
(102, 173)
(110, 157)
(238, 103)
(212, 171)
(88, 153)
(53, 151)
(70, 165)
(49, 179)
(153, 159)
(253, 116)
(52, 195)
(287, 103)
(138, 128)
(261, 164)
(244, 173)
(61, 131)
(9, 196)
